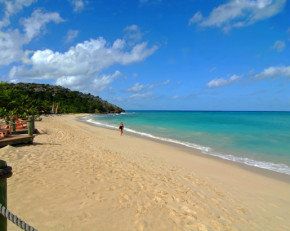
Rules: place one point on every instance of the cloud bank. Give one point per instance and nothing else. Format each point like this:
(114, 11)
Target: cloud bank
(81, 67)
(11, 8)
(12, 40)
(82, 63)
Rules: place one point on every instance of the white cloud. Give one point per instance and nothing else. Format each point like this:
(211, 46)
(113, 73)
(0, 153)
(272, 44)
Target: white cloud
(119, 44)
(37, 22)
(197, 17)
(11, 47)
(274, 72)
(131, 28)
(136, 87)
(81, 67)
(89, 57)
(78, 5)
(155, 85)
(142, 96)
(239, 13)
(133, 33)
(12, 7)
(85, 60)
(12, 41)
(223, 82)
(101, 83)
(142, 92)
(279, 46)
(80, 83)
(73, 82)
(71, 35)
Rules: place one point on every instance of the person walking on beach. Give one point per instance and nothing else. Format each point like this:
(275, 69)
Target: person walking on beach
(121, 127)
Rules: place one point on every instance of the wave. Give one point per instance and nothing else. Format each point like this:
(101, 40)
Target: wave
(281, 168)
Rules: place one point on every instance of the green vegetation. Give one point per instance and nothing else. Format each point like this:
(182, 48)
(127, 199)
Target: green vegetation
(25, 99)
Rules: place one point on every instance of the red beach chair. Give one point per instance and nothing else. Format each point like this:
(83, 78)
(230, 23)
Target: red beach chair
(5, 131)
(19, 124)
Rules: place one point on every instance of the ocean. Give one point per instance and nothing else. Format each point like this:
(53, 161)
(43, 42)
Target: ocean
(260, 139)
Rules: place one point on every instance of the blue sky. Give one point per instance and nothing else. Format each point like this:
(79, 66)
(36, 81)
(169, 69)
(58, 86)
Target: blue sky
(153, 54)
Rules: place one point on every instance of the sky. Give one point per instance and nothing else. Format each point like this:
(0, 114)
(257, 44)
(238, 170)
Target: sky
(153, 54)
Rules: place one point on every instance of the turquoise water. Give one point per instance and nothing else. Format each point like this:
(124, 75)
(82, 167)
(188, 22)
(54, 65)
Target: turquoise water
(260, 139)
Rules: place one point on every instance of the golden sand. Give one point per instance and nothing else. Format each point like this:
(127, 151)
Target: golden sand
(79, 177)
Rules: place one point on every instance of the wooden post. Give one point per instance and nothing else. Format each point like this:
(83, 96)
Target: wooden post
(33, 123)
(6, 123)
(7, 120)
(30, 126)
(3, 195)
(13, 124)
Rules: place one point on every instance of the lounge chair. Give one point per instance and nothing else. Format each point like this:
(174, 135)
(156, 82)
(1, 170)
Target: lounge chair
(19, 124)
(5, 131)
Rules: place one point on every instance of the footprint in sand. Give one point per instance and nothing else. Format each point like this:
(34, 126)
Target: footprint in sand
(175, 198)
(111, 188)
(95, 196)
(241, 210)
(83, 217)
(201, 227)
(124, 200)
(139, 225)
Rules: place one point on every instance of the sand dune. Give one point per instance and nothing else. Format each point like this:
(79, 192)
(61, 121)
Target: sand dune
(80, 177)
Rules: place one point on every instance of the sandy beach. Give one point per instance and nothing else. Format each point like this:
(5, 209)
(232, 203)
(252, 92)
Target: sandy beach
(80, 177)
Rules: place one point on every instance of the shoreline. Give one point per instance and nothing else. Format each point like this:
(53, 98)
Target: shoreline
(194, 151)
(82, 177)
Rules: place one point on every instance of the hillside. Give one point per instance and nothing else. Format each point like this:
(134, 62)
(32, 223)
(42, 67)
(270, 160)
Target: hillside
(31, 98)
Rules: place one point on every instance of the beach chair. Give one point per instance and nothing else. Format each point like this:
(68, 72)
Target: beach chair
(5, 131)
(19, 124)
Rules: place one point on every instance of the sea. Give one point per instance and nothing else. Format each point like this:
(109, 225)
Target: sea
(260, 139)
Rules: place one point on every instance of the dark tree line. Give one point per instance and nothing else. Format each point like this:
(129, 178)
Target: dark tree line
(25, 99)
